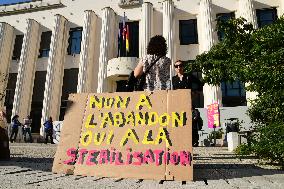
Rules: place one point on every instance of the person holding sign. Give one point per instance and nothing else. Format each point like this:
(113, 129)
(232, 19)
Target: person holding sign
(158, 77)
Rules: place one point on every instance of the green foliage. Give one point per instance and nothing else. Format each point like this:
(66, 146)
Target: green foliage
(218, 134)
(247, 55)
(227, 59)
(243, 150)
(255, 57)
(191, 66)
(268, 107)
(267, 142)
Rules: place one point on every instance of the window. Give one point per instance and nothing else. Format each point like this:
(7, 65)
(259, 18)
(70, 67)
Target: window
(75, 38)
(45, 44)
(197, 86)
(223, 17)
(70, 81)
(10, 91)
(235, 88)
(266, 16)
(133, 40)
(188, 32)
(233, 94)
(18, 47)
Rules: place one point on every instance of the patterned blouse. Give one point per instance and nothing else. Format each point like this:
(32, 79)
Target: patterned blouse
(158, 77)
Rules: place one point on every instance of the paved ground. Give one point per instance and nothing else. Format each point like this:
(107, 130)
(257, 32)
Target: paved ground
(30, 167)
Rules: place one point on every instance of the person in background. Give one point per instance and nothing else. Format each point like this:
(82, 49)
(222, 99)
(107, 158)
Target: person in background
(48, 129)
(183, 80)
(27, 127)
(158, 77)
(197, 124)
(15, 128)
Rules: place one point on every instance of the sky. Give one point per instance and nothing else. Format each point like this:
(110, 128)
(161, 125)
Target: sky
(11, 1)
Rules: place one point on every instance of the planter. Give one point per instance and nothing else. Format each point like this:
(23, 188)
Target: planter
(233, 141)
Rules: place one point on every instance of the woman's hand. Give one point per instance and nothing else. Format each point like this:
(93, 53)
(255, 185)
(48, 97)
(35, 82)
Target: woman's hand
(138, 71)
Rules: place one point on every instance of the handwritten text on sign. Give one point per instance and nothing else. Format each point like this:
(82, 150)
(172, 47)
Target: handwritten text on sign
(114, 113)
(213, 115)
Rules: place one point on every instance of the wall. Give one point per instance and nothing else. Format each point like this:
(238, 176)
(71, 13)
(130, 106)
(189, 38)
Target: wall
(74, 12)
(225, 113)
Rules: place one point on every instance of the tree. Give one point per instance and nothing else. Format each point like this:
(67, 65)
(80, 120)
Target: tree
(255, 57)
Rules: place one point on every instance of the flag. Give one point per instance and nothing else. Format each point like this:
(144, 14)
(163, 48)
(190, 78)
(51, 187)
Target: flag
(127, 38)
(123, 27)
(119, 43)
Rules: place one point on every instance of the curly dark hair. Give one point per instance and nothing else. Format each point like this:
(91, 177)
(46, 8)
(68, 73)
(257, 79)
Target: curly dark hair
(157, 46)
(15, 117)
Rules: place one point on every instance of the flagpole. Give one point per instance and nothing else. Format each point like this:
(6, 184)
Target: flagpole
(118, 52)
(127, 40)
(123, 34)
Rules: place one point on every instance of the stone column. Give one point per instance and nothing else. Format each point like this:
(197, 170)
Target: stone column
(7, 39)
(87, 56)
(168, 32)
(55, 69)
(247, 11)
(146, 27)
(107, 49)
(211, 93)
(280, 10)
(26, 71)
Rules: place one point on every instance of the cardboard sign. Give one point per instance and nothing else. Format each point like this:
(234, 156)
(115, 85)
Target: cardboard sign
(3, 121)
(213, 115)
(57, 126)
(127, 135)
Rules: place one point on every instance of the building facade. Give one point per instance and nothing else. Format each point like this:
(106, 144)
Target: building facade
(51, 48)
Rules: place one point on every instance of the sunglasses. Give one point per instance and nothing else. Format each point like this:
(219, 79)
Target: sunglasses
(180, 65)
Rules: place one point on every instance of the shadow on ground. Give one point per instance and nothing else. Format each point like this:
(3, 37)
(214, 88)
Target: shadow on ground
(202, 172)
(41, 164)
(229, 171)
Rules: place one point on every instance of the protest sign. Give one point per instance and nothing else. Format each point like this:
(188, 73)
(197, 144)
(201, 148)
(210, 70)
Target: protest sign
(127, 135)
(213, 115)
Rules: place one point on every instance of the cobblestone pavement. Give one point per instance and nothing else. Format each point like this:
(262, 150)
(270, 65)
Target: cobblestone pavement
(215, 167)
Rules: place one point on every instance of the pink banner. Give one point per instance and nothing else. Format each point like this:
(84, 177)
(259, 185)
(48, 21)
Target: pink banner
(213, 115)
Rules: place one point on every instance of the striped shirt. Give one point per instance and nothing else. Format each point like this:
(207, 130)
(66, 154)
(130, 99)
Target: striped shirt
(158, 77)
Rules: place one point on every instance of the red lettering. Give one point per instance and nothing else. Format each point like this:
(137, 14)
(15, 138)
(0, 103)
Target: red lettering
(138, 155)
(118, 160)
(90, 157)
(129, 156)
(185, 158)
(82, 152)
(174, 158)
(103, 157)
(158, 156)
(71, 152)
(149, 157)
